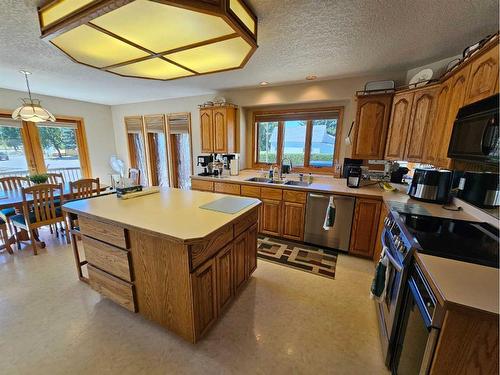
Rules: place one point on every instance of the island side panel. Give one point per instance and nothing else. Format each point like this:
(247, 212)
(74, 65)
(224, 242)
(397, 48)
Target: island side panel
(162, 279)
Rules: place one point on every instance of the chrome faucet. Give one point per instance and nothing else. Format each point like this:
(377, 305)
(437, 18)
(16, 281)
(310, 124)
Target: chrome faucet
(281, 166)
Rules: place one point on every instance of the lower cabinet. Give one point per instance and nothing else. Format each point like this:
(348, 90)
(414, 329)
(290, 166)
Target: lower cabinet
(252, 249)
(365, 227)
(240, 249)
(293, 220)
(271, 217)
(225, 276)
(204, 285)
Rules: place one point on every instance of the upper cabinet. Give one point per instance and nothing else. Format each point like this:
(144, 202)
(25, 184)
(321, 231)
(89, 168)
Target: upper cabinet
(218, 128)
(398, 128)
(483, 77)
(372, 122)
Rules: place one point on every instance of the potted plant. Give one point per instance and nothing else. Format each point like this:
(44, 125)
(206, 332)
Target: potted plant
(38, 178)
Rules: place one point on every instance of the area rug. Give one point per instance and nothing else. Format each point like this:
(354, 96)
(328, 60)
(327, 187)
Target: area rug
(311, 259)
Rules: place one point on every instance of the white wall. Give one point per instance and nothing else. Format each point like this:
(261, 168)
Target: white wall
(98, 125)
(334, 92)
(438, 67)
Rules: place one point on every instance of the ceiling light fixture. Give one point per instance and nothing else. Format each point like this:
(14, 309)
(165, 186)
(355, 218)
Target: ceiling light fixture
(155, 39)
(31, 110)
(311, 77)
(264, 83)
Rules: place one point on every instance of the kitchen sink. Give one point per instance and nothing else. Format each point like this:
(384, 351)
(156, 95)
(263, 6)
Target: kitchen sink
(259, 179)
(277, 182)
(297, 183)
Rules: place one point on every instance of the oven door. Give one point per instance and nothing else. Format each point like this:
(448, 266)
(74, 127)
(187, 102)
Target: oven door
(388, 307)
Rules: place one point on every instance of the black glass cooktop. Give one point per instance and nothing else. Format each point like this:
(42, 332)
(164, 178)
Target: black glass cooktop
(455, 239)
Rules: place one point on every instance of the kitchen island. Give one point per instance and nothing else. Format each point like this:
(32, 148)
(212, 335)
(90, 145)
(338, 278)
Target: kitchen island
(163, 256)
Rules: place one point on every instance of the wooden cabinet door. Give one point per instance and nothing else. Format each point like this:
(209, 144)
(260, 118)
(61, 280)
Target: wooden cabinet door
(422, 117)
(293, 220)
(252, 249)
(378, 243)
(458, 85)
(207, 136)
(372, 122)
(271, 217)
(398, 127)
(435, 135)
(204, 284)
(225, 284)
(365, 225)
(483, 77)
(240, 257)
(220, 130)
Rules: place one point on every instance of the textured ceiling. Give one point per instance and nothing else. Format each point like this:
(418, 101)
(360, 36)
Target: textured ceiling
(328, 38)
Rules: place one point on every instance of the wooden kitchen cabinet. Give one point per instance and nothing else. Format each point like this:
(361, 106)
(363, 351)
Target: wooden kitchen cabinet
(421, 121)
(204, 284)
(251, 252)
(240, 261)
(293, 220)
(483, 77)
(399, 124)
(378, 242)
(218, 127)
(271, 217)
(365, 226)
(372, 122)
(225, 285)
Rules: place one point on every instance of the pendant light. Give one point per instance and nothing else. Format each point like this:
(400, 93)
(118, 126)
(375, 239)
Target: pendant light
(31, 110)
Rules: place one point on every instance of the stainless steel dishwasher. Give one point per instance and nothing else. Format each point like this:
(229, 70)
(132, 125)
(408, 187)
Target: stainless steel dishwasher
(338, 236)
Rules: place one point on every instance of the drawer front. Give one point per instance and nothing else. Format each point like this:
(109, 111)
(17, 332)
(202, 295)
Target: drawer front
(221, 187)
(108, 258)
(105, 232)
(294, 196)
(270, 193)
(200, 252)
(250, 191)
(202, 185)
(246, 221)
(112, 287)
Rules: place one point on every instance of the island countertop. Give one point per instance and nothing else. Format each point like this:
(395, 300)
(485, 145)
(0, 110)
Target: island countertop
(173, 213)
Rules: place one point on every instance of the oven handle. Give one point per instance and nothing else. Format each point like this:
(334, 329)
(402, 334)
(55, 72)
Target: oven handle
(420, 303)
(387, 252)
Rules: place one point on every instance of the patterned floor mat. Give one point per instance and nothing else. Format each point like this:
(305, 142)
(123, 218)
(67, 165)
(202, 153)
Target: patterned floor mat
(311, 259)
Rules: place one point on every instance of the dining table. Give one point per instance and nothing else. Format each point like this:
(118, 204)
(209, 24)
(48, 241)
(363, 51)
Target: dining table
(14, 198)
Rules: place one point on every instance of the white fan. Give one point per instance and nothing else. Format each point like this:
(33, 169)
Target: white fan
(117, 165)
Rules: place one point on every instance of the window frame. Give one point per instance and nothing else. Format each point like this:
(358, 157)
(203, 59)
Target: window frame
(33, 147)
(309, 127)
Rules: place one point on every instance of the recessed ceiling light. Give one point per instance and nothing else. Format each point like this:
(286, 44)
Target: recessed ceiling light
(264, 83)
(311, 77)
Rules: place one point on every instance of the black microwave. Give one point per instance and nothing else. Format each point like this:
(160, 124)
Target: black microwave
(475, 135)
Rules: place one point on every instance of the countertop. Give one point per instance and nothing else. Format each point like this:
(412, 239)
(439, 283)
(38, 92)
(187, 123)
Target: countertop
(173, 213)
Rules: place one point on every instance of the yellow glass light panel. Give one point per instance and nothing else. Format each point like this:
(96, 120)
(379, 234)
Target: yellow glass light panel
(159, 27)
(212, 57)
(242, 14)
(153, 68)
(90, 46)
(60, 9)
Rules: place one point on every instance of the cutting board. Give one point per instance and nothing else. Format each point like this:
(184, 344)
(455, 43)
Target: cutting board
(229, 205)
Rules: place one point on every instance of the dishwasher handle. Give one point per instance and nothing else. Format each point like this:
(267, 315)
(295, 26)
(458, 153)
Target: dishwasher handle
(327, 196)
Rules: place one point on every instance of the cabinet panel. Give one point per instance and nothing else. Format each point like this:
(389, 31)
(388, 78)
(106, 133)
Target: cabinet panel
(225, 285)
(378, 243)
(483, 77)
(398, 128)
(437, 131)
(240, 260)
(293, 223)
(421, 120)
(219, 127)
(372, 122)
(206, 131)
(271, 217)
(204, 284)
(223, 187)
(250, 191)
(252, 249)
(365, 225)
(202, 185)
(294, 196)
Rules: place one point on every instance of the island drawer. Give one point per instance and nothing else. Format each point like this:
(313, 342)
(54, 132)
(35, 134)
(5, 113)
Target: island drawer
(294, 196)
(202, 185)
(108, 258)
(222, 187)
(200, 252)
(271, 193)
(105, 232)
(250, 191)
(246, 221)
(112, 287)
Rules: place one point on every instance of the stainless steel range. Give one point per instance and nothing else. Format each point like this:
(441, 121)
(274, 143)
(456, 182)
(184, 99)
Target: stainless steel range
(399, 250)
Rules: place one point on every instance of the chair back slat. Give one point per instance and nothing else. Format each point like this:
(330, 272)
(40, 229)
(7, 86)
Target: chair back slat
(43, 197)
(55, 178)
(14, 183)
(84, 188)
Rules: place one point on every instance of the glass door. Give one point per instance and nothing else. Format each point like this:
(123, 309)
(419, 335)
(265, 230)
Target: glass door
(136, 146)
(157, 150)
(179, 133)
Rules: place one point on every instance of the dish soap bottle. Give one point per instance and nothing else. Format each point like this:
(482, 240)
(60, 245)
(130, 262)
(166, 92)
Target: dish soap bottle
(310, 178)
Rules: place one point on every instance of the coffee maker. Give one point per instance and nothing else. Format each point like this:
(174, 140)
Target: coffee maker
(206, 162)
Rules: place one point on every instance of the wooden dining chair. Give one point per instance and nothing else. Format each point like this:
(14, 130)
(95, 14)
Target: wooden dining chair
(40, 209)
(9, 184)
(135, 175)
(84, 188)
(55, 178)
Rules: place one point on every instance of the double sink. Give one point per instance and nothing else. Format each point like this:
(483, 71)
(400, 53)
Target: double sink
(278, 182)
